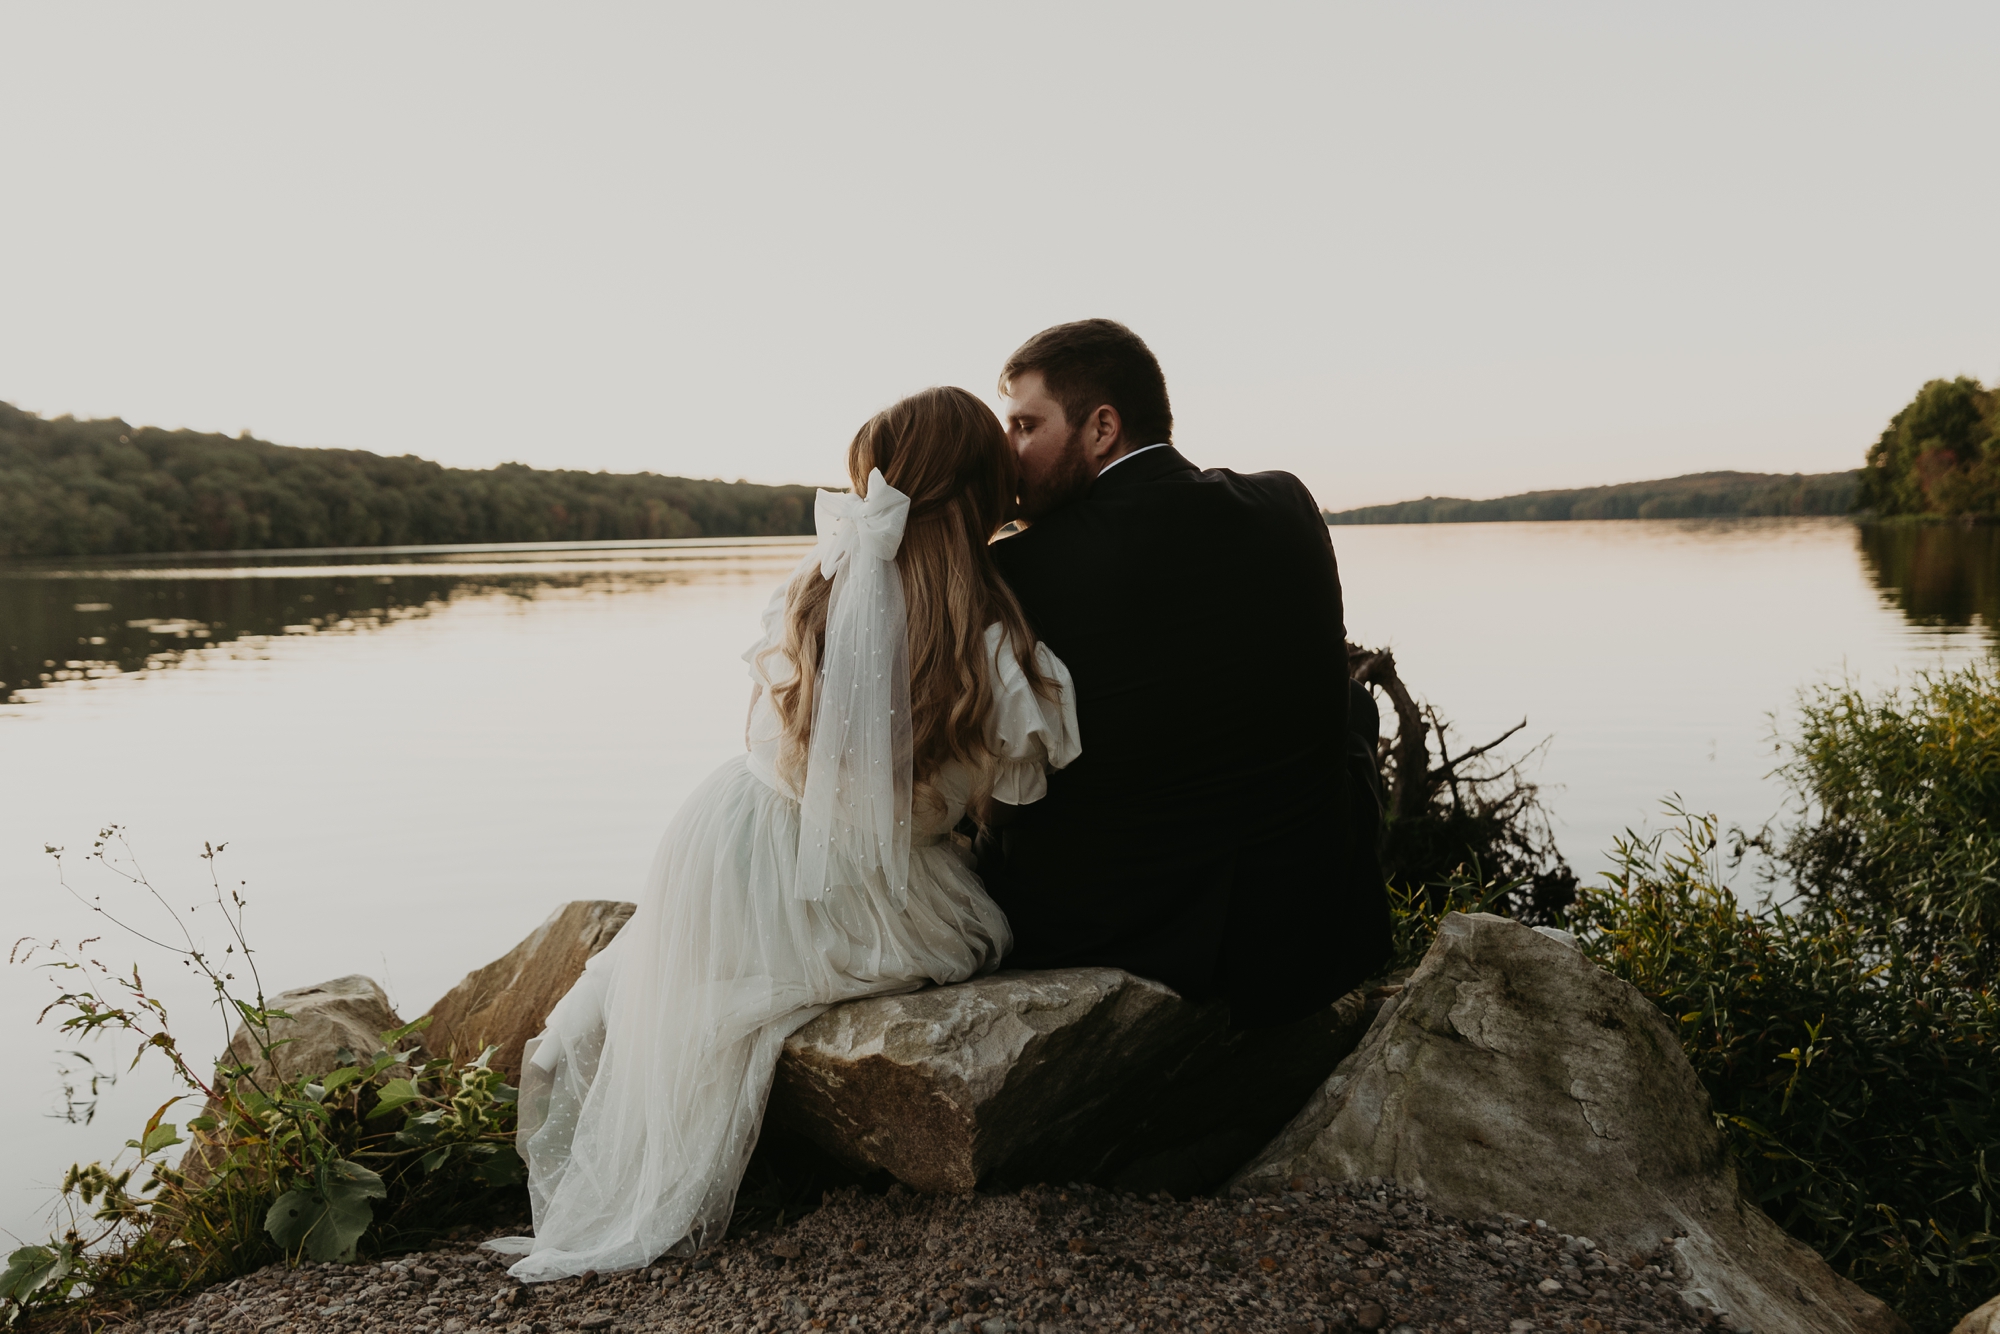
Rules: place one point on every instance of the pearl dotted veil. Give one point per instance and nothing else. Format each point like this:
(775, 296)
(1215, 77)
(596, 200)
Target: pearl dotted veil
(854, 807)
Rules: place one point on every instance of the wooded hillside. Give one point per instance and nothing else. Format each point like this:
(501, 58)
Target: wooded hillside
(81, 488)
(1697, 495)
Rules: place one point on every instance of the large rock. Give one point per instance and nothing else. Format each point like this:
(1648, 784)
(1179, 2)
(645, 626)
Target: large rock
(1986, 1320)
(330, 1025)
(1086, 1074)
(1072, 1075)
(505, 1003)
(1513, 1075)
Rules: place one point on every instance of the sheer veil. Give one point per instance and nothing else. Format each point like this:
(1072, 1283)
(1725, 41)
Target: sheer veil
(854, 808)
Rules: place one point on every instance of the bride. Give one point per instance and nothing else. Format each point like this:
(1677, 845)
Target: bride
(896, 683)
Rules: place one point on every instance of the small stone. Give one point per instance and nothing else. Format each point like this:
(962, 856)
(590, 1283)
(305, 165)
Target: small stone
(595, 1320)
(1548, 1287)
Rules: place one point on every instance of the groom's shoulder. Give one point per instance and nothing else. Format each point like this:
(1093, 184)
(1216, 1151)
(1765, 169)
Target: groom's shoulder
(1274, 492)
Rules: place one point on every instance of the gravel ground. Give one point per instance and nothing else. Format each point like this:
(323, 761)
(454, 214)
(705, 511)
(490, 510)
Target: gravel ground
(1048, 1259)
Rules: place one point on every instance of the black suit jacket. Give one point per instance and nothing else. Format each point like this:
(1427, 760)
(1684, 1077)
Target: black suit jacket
(1209, 836)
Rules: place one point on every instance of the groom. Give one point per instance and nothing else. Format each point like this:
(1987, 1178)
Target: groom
(1213, 835)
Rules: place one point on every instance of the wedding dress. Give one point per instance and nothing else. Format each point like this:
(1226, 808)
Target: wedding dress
(767, 902)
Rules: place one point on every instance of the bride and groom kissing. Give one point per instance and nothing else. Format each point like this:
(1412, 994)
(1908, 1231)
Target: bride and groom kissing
(1138, 704)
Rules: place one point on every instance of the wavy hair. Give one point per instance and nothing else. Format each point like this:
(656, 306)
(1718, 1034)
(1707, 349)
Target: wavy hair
(948, 453)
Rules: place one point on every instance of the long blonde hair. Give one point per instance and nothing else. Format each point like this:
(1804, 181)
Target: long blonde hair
(947, 452)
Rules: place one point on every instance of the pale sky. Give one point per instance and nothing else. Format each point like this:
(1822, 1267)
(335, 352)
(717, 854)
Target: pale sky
(1399, 249)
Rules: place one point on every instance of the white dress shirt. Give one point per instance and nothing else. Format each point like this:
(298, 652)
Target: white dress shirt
(1164, 444)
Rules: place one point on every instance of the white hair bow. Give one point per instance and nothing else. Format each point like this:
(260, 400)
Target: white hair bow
(854, 810)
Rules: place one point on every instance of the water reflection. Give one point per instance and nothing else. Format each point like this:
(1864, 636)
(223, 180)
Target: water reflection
(87, 621)
(1937, 574)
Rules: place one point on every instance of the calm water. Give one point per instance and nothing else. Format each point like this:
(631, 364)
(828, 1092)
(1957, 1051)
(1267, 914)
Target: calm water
(414, 757)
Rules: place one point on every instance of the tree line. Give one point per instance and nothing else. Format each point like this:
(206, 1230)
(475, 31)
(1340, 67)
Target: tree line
(104, 487)
(1697, 495)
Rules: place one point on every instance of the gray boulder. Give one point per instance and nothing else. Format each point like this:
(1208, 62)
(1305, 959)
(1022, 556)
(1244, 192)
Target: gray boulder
(347, 1014)
(1513, 1075)
(329, 1025)
(1085, 1074)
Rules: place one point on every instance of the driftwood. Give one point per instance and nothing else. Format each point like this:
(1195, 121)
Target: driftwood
(1408, 753)
(1456, 811)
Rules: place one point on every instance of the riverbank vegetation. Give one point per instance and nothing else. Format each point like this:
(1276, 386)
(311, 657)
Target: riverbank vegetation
(383, 1152)
(1939, 456)
(1848, 1029)
(92, 488)
(1697, 495)
(1846, 1025)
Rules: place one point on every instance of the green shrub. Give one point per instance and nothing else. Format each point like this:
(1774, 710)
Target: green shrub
(382, 1153)
(1900, 814)
(1939, 455)
(1849, 1036)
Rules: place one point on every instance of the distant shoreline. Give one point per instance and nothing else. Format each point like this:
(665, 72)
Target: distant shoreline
(1693, 496)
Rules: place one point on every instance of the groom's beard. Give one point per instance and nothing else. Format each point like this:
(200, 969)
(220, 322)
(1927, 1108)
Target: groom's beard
(1070, 478)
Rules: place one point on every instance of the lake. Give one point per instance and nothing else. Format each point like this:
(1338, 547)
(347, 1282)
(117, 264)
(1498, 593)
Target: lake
(414, 756)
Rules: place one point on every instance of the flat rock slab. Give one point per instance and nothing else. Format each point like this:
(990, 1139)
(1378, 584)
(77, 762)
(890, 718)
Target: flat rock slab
(506, 1002)
(1513, 1075)
(1086, 1074)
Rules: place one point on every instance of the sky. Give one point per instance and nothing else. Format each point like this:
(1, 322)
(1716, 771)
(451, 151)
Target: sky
(1409, 249)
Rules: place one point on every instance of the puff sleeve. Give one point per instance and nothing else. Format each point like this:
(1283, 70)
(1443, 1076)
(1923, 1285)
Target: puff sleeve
(1031, 735)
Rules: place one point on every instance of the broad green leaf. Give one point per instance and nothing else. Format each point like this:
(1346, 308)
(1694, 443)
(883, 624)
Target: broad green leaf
(157, 1135)
(161, 1136)
(433, 1160)
(416, 1133)
(327, 1222)
(395, 1035)
(33, 1268)
(341, 1078)
(394, 1094)
(503, 1168)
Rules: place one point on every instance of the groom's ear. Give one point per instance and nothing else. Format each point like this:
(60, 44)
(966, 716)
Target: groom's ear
(1102, 436)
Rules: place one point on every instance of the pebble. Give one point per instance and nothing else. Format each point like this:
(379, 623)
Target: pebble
(1312, 1259)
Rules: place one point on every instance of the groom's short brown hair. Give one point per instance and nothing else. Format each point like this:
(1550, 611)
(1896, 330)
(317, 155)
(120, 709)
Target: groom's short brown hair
(1093, 362)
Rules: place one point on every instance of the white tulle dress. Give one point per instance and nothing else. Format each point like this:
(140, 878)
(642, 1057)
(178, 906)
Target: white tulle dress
(642, 1098)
